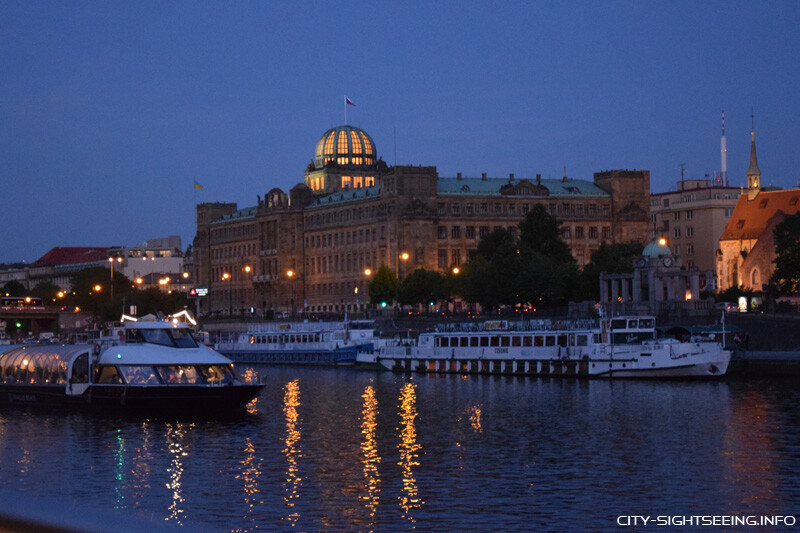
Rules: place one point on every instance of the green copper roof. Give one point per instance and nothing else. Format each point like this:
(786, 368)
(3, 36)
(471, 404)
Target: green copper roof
(491, 187)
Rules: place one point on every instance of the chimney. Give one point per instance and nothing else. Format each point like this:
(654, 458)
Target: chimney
(483, 176)
(458, 176)
(538, 179)
(511, 177)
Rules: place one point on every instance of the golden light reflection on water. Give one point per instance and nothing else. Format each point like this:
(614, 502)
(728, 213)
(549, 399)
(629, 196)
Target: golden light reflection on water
(176, 434)
(251, 471)
(140, 468)
(409, 498)
(475, 418)
(291, 401)
(369, 452)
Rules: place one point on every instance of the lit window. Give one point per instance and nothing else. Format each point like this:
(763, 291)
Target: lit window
(355, 141)
(358, 182)
(329, 144)
(367, 145)
(369, 181)
(346, 182)
(341, 146)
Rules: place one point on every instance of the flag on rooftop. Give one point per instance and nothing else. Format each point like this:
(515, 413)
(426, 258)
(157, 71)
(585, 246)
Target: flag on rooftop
(347, 101)
(198, 186)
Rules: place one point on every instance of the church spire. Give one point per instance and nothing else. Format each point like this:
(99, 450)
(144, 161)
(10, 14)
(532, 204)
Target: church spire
(753, 172)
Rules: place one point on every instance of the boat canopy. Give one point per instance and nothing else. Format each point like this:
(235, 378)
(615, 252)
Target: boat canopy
(38, 363)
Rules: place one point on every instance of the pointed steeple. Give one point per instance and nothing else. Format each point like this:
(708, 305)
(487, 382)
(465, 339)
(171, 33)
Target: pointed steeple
(753, 172)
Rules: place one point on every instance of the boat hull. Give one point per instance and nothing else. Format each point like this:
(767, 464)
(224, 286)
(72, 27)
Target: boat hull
(345, 356)
(184, 399)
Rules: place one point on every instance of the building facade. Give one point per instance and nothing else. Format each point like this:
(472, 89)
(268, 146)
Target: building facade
(314, 249)
(691, 219)
(746, 247)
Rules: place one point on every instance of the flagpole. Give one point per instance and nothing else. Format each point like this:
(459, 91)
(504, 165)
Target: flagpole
(345, 110)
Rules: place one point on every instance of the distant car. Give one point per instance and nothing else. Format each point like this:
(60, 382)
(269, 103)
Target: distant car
(726, 306)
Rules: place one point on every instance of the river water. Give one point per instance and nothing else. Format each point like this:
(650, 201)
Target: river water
(347, 450)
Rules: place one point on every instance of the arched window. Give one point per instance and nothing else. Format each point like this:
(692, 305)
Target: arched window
(755, 278)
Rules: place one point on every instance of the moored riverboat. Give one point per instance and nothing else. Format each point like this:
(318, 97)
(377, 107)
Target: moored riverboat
(303, 343)
(152, 366)
(621, 347)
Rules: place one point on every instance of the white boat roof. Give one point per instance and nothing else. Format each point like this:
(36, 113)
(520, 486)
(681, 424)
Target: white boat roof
(153, 354)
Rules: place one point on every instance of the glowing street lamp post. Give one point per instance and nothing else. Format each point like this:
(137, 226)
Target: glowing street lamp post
(111, 260)
(227, 277)
(290, 275)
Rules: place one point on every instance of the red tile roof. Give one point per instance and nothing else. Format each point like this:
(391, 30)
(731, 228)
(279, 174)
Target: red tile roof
(751, 217)
(72, 255)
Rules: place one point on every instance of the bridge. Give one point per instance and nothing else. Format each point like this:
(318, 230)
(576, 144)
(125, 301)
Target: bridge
(33, 321)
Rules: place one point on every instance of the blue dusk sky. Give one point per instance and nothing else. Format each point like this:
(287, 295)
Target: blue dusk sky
(110, 110)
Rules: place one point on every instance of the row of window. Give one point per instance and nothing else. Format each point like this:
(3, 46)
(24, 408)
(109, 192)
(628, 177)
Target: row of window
(349, 263)
(335, 216)
(344, 238)
(510, 208)
(503, 341)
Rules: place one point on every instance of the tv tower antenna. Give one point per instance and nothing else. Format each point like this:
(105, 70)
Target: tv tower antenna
(723, 155)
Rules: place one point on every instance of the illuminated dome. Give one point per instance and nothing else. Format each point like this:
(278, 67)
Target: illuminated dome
(346, 146)
(657, 248)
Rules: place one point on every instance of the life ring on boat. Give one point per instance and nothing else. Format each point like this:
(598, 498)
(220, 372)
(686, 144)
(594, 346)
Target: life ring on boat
(96, 349)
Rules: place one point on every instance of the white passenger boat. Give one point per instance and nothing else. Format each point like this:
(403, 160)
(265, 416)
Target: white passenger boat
(306, 343)
(622, 347)
(139, 366)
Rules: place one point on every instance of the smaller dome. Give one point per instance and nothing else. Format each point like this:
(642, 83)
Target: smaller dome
(347, 146)
(657, 248)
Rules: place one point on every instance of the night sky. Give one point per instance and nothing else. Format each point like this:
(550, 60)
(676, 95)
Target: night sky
(110, 110)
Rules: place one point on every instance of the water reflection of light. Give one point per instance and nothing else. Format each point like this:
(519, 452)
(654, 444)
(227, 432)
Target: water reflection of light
(175, 436)
(141, 463)
(291, 401)
(369, 452)
(251, 470)
(119, 469)
(409, 449)
(475, 418)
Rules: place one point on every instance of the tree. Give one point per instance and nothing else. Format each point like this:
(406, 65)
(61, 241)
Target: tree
(542, 232)
(786, 276)
(422, 287)
(14, 288)
(610, 258)
(47, 291)
(383, 287)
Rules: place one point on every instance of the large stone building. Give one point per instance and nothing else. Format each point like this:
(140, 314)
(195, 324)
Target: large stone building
(311, 249)
(691, 219)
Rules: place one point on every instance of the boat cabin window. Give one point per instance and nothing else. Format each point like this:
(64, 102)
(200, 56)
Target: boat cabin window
(596, 338)
(505, 340)
(179, 374)
(516, 340)
(632, 324)
(527, 341)
(108, 375)
(139, 375)
(473, 341)
(619, 323)
(581, 340)
(80, 369)
(484, 341)
(550, 340)
(494, 341)
(464, 342)
(562, 340)
(538, 340)
(174, 338)
(647, 323)
(217, 374)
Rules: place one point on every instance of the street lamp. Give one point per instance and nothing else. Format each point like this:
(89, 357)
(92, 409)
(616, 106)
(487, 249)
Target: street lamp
(227, 277)
(290, 275)
(111, 260)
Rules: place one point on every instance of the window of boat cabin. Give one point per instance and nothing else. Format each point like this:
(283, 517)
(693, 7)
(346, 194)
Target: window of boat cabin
(440, 341)
(484, 341)
(596, 338)
(505, 341)
(80, 369)
(646, 323)
(474, 341)
(538, 340)
(562, 340)
(619, 323)
(179, 374)
(550, 340)
(252, 339)
(464, 342)
(108, 375)
(219, 374)
(581, 340)
(516, 340)
(632, 324)
(527, 341)
(494, 340)
(139, 375)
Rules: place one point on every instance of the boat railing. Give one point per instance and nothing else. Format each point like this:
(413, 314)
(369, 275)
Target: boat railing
(522, 325)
